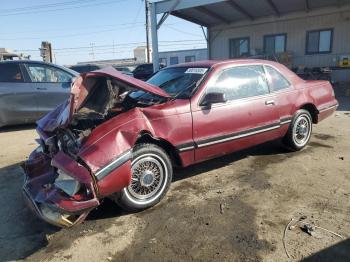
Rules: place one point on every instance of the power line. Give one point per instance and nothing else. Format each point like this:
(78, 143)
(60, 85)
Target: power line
(120, 44)
(76, 28)
(60, 9)
(71, 35)
(111, 49)
(45, 6)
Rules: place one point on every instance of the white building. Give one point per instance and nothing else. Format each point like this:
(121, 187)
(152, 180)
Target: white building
(307, 33)
(140, 54)
(8, 54)
(182, 56)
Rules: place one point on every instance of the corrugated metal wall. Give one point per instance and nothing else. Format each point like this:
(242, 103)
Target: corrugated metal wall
(295, 27)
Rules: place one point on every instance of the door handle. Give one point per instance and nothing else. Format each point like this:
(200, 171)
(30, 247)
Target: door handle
(41, 88)
(270, 102)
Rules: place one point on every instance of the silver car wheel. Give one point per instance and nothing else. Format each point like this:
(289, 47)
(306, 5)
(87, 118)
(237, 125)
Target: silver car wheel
(148, 177)
(302, 130)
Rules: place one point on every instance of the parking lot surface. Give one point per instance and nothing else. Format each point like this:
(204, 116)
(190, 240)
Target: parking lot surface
(233, 208)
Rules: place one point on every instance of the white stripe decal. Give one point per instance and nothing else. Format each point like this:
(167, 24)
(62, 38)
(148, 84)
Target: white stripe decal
(285, 122)
(186, 148)
(113, 165)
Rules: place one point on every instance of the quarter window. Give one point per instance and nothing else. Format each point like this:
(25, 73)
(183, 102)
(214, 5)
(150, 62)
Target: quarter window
(47, 74)
(319, 41)
(241, 82)
(275, 43)
(277, 80)
(10, 73)
(239, 47)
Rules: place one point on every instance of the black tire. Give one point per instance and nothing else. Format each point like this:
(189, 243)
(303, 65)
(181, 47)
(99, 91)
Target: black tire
(155, 177)
(292, 139)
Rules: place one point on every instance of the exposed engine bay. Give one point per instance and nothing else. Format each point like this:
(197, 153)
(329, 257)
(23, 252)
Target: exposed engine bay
(106, 99)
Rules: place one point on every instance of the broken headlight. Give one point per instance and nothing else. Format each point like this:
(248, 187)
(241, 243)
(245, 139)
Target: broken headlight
(67, 183)
(67, 142)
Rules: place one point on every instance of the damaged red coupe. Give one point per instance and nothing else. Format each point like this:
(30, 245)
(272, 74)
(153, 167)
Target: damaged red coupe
(120, 137)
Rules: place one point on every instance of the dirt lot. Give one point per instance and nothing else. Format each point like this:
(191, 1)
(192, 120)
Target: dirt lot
(233, 208)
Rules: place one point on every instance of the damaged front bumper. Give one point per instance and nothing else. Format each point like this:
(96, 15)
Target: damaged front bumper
(49, 202)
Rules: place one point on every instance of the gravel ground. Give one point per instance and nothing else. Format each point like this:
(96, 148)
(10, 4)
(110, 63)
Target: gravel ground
(233, 208)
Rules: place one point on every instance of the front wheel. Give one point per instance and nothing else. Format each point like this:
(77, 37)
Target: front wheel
(151, 175)
(299, 131)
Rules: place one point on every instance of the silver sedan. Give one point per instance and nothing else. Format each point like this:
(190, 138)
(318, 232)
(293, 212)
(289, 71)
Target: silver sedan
(30, 89)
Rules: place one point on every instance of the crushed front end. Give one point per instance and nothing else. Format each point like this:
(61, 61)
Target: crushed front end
(59, 190)
(85, 147)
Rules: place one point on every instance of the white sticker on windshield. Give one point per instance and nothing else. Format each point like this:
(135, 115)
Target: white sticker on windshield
(200, 71)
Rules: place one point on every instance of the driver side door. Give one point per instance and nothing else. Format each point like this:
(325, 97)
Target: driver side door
(248, 117)
(52, 86)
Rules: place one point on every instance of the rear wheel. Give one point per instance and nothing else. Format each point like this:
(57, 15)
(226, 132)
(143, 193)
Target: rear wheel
(151, 175)
(299, 131)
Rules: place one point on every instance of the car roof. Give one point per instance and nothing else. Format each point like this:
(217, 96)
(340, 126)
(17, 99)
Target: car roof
(38, 62)
(217, 63)
(204, 63)
(89, 64)
(26, 61)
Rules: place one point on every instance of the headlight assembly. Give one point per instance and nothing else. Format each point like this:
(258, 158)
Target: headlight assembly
(67, 183)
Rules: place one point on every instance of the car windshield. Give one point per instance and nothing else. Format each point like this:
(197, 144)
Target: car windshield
(177, 81)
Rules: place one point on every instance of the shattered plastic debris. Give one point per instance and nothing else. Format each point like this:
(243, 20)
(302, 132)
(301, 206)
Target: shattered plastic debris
(311, 230)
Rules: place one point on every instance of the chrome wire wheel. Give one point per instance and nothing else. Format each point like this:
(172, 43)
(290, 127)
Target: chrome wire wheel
(302, 130)
(148, 179)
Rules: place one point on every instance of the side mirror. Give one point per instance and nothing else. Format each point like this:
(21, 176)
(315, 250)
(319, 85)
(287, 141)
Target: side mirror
(213, 98)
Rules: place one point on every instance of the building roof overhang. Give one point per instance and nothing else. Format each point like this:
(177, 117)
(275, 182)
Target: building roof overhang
(217, 12)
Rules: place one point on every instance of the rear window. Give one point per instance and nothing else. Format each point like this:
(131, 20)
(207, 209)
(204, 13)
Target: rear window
(10, 73)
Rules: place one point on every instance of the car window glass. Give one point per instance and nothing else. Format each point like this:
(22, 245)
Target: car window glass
(277, 80)
(241, 82)
(93, 68)
(140, 69)
(123, 69)
(10, 73)
(149, 69)
(81, 69)
(47, 74)
(175, 80)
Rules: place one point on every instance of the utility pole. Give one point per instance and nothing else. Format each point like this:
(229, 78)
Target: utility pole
(92, 51)
(147, 31)
(46, 51)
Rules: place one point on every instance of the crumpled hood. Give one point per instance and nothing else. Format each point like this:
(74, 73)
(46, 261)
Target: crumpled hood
(62, 115)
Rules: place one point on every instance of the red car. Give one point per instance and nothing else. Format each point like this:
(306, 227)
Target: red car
(120, 137)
